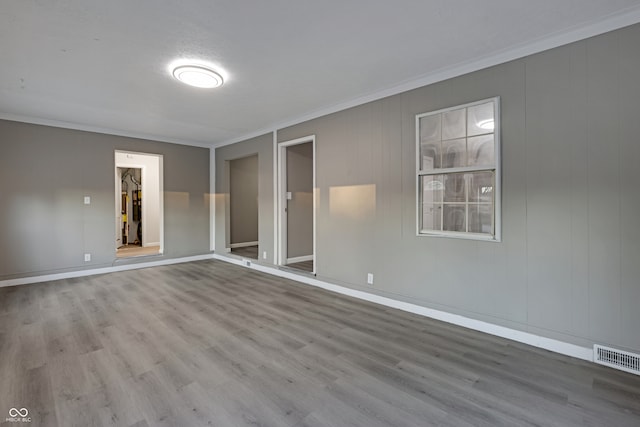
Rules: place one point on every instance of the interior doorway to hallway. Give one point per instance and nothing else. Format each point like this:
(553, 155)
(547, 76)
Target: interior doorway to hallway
(138, 204)
(242, 215)
(297, 205)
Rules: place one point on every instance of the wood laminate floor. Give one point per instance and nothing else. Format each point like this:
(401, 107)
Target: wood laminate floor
(303, 266)
(213, 344)
(136, 250)
(246, 251)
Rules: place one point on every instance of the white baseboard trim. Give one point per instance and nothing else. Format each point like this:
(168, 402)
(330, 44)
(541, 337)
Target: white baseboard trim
(299, 259)
(146, 245)
(243, 244)
(478, 325)
(94, 271)
(455, 319)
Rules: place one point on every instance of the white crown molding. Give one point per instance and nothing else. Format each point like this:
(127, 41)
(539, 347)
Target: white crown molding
(612, 22)
(96, 129)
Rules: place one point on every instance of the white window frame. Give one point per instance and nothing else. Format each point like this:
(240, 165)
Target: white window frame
(496, 168)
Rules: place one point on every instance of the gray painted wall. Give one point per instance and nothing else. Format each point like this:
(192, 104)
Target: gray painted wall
(263, 147)
(44, 174)
(567, 267)
(243, 190)
(300, 207)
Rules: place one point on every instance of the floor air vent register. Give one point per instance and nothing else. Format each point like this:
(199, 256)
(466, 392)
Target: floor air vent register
(617, 359)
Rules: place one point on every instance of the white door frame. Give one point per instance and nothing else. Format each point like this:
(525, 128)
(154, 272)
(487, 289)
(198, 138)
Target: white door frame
(281, 258)
(145, 179)
(118, 208)
(227, 202)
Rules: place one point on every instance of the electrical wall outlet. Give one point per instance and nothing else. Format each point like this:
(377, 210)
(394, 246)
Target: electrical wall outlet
(264, 255)
(369, 278)
(246, 262)
(87, 257)
(87, 200)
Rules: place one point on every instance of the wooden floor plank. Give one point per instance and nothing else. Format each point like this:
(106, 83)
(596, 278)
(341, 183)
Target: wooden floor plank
(212, 344)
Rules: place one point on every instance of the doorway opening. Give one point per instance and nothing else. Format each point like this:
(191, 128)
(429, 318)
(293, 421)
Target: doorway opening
(138, 195)
(242, 225)
(297, 204)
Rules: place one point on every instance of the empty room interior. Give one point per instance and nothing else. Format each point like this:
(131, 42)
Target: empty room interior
(356, 213)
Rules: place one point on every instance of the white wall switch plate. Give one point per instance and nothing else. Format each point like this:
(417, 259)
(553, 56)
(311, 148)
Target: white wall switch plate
(87, 257)
(369, 279)
(264, 255)
(87, 200)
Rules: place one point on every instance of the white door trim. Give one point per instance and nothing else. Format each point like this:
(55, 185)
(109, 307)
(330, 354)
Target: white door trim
(144, 189)
(281, 258)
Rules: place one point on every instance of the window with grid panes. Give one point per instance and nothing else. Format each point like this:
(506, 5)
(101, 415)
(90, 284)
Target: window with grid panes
(458, 172)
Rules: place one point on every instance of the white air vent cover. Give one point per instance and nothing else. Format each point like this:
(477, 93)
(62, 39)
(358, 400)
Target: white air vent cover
(617, 359)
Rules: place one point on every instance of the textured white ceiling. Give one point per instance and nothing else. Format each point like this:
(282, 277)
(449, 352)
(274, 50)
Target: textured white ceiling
(102, 65)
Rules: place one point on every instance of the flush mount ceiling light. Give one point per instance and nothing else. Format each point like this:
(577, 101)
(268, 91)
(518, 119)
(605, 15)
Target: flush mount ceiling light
(198, 76)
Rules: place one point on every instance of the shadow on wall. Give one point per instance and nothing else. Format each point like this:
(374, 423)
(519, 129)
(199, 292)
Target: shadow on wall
(47, 230)
(178, 200)
(41, 223)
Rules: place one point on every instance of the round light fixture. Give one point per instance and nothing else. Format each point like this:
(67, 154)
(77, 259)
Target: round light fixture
(486, 124)
(198, 76)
